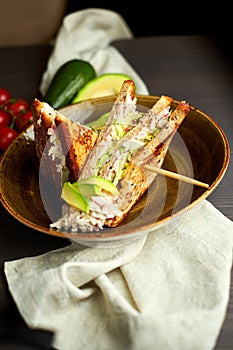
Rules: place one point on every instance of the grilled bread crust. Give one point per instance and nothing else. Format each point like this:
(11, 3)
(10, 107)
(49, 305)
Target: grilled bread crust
(76, 141)
(137, 179)
(126, 95)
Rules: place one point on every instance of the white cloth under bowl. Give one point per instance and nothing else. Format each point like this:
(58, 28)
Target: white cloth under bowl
(165, 291)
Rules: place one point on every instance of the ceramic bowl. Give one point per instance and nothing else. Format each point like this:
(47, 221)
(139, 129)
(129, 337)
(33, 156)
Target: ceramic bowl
(199, 150)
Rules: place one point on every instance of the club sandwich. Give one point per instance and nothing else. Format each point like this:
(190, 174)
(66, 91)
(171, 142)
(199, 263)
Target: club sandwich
(116, 155)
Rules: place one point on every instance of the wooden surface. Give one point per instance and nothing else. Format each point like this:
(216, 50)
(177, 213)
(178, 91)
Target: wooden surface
(192, 68)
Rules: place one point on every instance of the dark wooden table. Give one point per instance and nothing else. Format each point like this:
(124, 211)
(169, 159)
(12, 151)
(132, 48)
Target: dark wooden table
(192, 68)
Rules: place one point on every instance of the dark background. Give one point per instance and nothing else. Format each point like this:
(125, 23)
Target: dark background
(162, 17)
(212, 18)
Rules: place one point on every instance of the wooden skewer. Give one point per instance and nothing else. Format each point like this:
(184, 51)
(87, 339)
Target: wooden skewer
(176, 176)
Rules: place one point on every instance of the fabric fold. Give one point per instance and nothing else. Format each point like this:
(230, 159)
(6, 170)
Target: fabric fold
(131, 297)
(88, 35)
(64, 274)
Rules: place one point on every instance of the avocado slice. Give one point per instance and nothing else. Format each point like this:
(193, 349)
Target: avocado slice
(99, 123)
(104, 184)
(87, 190)
(103, 85)
(74, 198)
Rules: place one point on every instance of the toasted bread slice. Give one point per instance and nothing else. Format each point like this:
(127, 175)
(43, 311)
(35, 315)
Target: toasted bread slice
(154, 117)
(125, 96)
(124, 105)
(60, 143)
(137, 179)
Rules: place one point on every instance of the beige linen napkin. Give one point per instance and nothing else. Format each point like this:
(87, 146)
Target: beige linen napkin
(87, 35)
(167, 290)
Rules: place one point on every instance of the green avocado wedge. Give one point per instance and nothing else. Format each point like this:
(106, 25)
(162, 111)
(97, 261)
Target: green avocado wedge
(99, 123)
(104, 184)
(77, 194)
(74, 198)
(102, 85)
(87, 189)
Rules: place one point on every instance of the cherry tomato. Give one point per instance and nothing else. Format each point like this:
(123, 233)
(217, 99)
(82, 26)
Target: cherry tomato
(15, 117)
(22, 122)
(18, 106)
(5, 118)
(4, 95)
(7, 135)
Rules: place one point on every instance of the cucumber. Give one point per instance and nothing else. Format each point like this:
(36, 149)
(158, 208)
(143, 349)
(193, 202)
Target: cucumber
(67, 81)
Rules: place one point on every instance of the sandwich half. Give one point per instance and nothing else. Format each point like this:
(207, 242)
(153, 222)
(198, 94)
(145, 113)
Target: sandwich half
(62, 145)
(136, 179)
